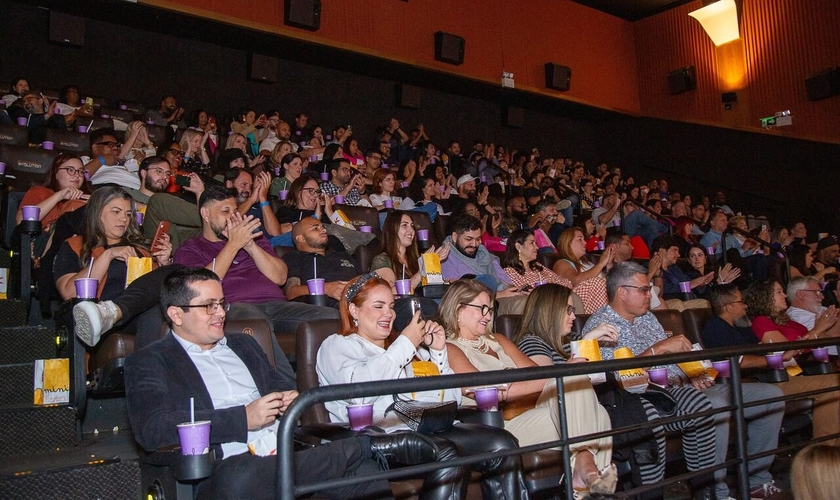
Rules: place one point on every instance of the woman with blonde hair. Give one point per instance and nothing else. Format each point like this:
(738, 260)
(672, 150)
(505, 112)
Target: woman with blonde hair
(196, 158)
(532, 414)
(587, 279)
(815, 474)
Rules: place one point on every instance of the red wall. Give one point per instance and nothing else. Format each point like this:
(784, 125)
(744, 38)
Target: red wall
(501, 35)
(783, 41)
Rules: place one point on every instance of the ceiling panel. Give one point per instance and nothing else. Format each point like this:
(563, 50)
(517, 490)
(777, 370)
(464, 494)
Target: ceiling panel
(632, 10)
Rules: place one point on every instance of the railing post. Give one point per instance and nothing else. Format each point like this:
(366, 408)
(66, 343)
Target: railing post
(740, 428)
(564, 437)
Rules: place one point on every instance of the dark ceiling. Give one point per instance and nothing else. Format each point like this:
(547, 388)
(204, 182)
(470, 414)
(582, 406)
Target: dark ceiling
(632, 10)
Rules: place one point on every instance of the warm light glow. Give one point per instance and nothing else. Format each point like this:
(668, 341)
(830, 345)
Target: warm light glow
(720, 20)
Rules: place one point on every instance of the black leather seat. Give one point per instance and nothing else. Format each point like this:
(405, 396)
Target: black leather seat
(362, 216)
(29, 166)
(12, 133)
(71, 142)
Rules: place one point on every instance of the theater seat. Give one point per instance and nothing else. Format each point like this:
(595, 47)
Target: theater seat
(547, 259)
(362, 216)
(441, 227)
(28, 165)
(670, 320)
(694, 319)
(422, 221)
(506, 324)
(11, 133)
(107, 363)
(69, 141)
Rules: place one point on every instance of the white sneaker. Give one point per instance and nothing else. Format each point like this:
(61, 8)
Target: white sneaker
(93, 318)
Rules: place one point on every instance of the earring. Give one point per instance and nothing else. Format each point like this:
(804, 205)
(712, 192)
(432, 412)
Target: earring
(355, 321)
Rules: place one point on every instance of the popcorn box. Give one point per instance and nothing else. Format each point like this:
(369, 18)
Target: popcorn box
(589, 349)
(430, 269)
(698, 369)
(633, 380)
(52, 381)
(339, 218)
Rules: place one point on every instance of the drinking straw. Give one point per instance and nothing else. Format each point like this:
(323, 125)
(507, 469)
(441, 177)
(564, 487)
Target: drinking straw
(214, 265)
(314, 268)
(403, 271)
(192, 410)
(89, 126)
(91, 267)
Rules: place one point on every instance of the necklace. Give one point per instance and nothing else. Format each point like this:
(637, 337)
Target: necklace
(478, 344)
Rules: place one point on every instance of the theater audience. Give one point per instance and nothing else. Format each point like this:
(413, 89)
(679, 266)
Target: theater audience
(586, 278)
(344, 181)
(64, 190)
(168, 114)
(103, 164)
(399, 255)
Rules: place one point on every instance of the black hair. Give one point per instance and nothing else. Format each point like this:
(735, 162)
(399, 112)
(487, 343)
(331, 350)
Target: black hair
(464, 223)
(664, 242)
(614, 238)
(215, 192)
(232, 174)
(99, 133)
(62, 96)
(151, 160)
(720, 296)
(176, 289)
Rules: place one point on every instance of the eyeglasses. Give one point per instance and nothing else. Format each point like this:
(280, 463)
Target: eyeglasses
(737, 302)
(73, 171)
(643, 289)
(570, 310)
(166, 173)
(175, 152)
(110, 144)
(485, 309)
(809, 290)
(312, 191)
(211, 308)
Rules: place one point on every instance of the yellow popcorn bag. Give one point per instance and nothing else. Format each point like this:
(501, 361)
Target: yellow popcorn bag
(51, 381)
(698, 369)
(424, 369)
(632, 380)
(589, 349)
(430, 269)
(136, 267)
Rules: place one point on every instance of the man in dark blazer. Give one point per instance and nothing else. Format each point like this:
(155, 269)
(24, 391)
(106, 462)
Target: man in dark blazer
(236, 389)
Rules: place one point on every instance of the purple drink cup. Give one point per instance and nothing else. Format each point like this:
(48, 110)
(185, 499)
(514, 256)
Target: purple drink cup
(86, 288)
(659, 376)
(48, 145)
(487, 398)
(31, 212)
(422, 235)
(722, 368)
(685, 286)
(388, 203)
(820, 354)
(403, 286)
(360, 416)
(775, 361)
(325, 176)
(284, 193)
(194, 437)
(22, 121)
(339, 199)
(316, 286)
(366, 229)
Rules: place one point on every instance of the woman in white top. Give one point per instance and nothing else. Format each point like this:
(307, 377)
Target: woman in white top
(366, 349)
(384, 183)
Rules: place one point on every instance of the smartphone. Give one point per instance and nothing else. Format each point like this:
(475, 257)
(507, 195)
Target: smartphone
(163, 227)
(415, 306)
(89, 101)
(182, 180)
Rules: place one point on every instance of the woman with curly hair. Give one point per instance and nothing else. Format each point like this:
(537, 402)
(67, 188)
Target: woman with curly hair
(520, 262)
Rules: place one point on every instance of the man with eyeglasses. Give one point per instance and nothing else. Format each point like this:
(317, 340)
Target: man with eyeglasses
(705, 439)
(806, 297)
(103, 163)
(730, 327)
(345, 181)
(232, 246)
(237, 390)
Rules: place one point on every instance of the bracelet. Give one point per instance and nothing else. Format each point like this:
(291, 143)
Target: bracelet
(264, 204)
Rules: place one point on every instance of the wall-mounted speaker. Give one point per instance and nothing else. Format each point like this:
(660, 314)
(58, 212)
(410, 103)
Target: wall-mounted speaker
(304, 14)
(262, 68)
(66, 29)
(513, 117)
(729, 97)
(823, 85)
(682, 80)
(407, 96)
(558, 77)
(449, 48)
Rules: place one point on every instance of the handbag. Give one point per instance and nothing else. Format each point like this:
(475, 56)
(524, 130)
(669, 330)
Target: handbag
(425, 417)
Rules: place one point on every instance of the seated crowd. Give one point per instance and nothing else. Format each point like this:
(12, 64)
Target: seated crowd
(253, 215)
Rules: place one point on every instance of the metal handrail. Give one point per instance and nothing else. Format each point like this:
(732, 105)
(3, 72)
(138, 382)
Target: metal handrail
(656, 215)
(285, 438)
(747, 235)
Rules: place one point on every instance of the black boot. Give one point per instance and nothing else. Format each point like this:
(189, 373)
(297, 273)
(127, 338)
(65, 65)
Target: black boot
(406, 448)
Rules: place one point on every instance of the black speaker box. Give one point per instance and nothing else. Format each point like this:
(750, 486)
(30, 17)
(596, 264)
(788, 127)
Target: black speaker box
(304, 14)
(558, 77)
(449, 48)
(682, 80)
(823, 85)
(262, 68)
(66, 29)
(408, 96)
(729, 97)
(513, 117)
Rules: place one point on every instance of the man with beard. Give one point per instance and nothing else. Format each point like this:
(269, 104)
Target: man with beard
(346, 181)
(828, 251)
(313, 246)
(453, 160)
(516, 216)
(467, 193)
(467, 256)
(168, 114)
(230, 245)
(730, 327)
(38, 112)
(252, 198)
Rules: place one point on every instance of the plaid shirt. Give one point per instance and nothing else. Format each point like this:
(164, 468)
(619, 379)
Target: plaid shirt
(352, 197)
